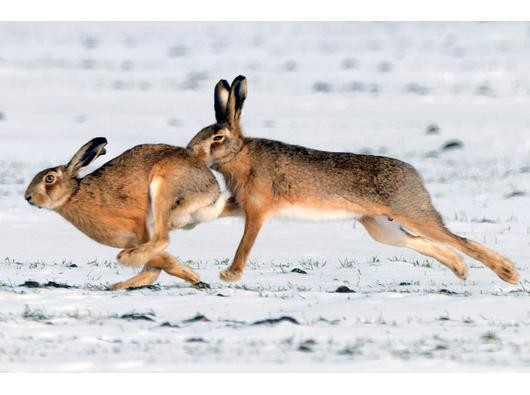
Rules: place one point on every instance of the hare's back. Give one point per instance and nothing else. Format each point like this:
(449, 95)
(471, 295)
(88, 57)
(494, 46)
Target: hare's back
(308, 171)
(129, 173)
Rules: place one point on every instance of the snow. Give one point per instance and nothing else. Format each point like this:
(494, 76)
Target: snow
(359, 87)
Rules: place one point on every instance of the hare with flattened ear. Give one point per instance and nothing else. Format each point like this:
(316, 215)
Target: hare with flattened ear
(132, 201)
(385, 195)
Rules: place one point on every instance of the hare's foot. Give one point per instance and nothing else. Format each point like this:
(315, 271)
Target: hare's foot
(229, 275)
(183, 272)
(141, 254)
(147, 276)
(172, 266)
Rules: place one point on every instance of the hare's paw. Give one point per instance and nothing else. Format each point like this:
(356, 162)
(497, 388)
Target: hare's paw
(120, 285)
(508, 273)
(461, 271)
(230, 275)
(131, 257)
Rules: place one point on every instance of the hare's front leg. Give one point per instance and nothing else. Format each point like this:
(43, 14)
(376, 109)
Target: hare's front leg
(147, 276)
(254, 220)
(161, 200)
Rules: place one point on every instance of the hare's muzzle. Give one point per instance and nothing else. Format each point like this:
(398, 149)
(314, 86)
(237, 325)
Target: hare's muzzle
(29, 199)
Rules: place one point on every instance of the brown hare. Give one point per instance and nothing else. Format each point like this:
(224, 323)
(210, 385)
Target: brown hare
(385, 195)
(132, 201)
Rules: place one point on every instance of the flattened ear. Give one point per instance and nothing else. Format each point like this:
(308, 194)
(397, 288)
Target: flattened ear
(221, 93)
(86, 154)
(236, 99)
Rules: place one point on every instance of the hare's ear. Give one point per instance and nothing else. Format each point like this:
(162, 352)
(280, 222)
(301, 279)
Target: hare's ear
(86, 154)
(221, 93)
(236, 99)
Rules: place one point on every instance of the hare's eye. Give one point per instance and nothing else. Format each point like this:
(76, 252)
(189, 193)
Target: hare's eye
(49, 179)
(218, 138)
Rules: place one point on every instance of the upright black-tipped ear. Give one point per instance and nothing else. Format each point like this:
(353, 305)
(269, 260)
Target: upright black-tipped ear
(221, 93)
(86, 154)
(236, 99)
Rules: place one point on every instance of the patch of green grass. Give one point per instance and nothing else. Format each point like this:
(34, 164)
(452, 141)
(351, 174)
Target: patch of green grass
(35, 314)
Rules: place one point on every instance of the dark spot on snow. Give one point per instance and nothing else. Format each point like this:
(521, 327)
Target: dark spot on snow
(432, 129)
(322, 87)
(299, 271)
(431, 154)
(167, 324)
(49, 284)
(127, 65)
(404, 284)
(174, 122)
(273, 321)
(222, 296)
(446, 292)
(197, 318)
(201, 285)
(138, 316)
(80, 119)
(72, 265)
(344, 289)
(485, 89)
(118, 85)
(30, 284)
(290, 66)
(195, 340)
(417, 89)
(151, 287)
(350, 350)
(88, 64)
(307, 346)
(269, 123)
(515, 194)
(356, 86)
(349, 63)
(452, 144)
(53, 284)
(177, 51)
(485, 221)
(384, 67)
(193, 80)
(525, 169)
(91, 42)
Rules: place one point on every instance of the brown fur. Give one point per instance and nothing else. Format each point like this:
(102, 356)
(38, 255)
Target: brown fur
(268, 177)
(116, 204)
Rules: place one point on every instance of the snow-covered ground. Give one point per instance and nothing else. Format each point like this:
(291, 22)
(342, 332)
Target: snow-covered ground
(403, 90)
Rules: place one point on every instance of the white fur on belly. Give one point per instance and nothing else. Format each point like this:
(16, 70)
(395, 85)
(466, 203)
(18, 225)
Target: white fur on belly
(189, 219)
(311, 214)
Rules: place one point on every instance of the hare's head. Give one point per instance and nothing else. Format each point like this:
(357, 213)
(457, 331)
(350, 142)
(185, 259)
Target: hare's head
(219, 142)
(52, 187)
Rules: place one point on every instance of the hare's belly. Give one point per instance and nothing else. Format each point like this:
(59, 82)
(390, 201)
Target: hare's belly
(315, 214)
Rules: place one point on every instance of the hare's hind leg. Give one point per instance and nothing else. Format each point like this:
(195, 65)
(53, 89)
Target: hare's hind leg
(390, 232)
(172, 266)
(160, 202)
(147, 276)
(430, 225)
(151, 271)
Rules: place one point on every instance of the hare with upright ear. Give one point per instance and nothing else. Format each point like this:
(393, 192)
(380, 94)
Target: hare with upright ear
(132, 201)
(385, 195)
